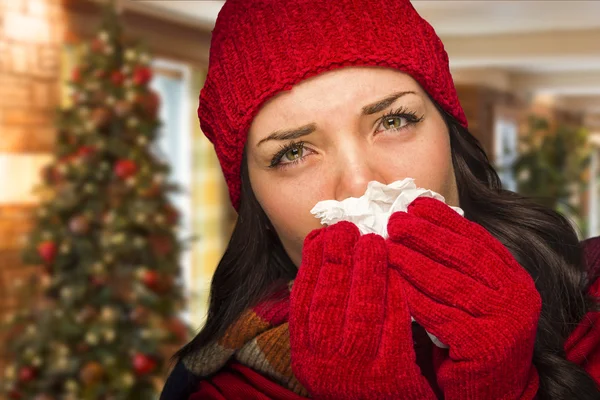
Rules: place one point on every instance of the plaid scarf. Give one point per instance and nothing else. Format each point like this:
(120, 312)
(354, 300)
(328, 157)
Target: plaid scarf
(259, 339)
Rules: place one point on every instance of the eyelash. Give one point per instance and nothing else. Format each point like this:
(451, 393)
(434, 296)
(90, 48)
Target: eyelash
(410, 117)
(276, 160)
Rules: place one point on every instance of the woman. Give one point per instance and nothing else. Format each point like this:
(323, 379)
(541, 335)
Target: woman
(309, 100)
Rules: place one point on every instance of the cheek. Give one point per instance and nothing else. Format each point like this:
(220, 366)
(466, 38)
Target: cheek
(288, 205)
(427, 160)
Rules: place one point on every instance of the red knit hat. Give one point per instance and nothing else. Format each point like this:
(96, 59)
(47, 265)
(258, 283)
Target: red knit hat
(262, 47)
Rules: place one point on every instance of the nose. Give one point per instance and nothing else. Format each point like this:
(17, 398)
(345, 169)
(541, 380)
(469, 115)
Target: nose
(355, 170)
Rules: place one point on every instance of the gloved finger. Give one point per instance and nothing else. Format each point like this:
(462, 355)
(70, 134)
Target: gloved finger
(304, 287)
(452, 326)
(365, 312)
(445, 285)
(332, 290)
(447, 247)
(440, 214)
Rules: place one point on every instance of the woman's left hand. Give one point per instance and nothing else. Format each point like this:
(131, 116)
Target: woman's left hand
(465, 287)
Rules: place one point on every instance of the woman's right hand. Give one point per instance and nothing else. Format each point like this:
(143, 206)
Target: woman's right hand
(350, 328)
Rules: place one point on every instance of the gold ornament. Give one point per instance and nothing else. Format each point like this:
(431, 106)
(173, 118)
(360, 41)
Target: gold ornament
(84, 112)
(101, 117)
(139, 242)
(91, 338)
(91, 373)
(18, 283)
(71, 385)
(104, 36)
(142, 140)
(109, 335)
(66, 293)
(9, 318)
(127, 380)
(65, 248)
(122, 108)
(131, 182)
(133, 122)
(98, 268)
(89, 188)
(118, 238)
(130, 55)
(29, 352)
(61, 364)
(62, 350)
(10, 373)
(108, 314)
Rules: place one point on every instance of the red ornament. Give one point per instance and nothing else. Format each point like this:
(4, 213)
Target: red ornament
(100, 74)
(85, 151)
(117, 78)
(172, 214)
(151, 279)
(76, 75)
(143, 364)
(178, 329)
(97, 45)
(150, 103)
(141, 75)
(99, 280)
(27, 374)
(125, 168)
(151, 191)
(161, 245)
(47, 250)
(14, 394)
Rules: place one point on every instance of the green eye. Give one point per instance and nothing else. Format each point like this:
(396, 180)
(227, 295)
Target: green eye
(393, 122)
(294, 153)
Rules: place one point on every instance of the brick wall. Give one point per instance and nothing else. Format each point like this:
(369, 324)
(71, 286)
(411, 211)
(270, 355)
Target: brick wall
(31, 33)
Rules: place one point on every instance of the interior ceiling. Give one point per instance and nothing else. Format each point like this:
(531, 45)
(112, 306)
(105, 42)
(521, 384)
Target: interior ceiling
(523, 37)
(452, 17)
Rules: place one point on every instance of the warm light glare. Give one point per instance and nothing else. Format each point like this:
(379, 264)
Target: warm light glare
(24, 28)
(19, 175)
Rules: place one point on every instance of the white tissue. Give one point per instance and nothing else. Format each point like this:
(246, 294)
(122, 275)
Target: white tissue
(371, 212)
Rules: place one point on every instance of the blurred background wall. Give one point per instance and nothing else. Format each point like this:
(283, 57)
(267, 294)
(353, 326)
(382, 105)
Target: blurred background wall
(510, 60)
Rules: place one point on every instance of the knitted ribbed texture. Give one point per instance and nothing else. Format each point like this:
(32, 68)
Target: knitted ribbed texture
(262, 47)
(262, 330)
(350, 327)
(467, 289)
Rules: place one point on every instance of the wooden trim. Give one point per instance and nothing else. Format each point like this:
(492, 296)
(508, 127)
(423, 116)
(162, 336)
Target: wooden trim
(164, 35)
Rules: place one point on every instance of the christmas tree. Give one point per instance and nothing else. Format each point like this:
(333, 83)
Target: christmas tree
(95, 322)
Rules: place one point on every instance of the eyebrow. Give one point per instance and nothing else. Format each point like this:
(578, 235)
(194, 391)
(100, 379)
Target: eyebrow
(310, 128)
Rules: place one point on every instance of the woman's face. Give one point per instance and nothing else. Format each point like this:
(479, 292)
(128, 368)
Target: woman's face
(332, 134)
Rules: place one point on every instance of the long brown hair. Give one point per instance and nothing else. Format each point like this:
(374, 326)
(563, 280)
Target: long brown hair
(543, 242)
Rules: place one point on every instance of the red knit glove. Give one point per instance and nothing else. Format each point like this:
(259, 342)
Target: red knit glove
(466, 288)
(350, 330)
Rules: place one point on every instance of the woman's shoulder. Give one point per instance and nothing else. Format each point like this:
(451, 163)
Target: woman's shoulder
(180, 384)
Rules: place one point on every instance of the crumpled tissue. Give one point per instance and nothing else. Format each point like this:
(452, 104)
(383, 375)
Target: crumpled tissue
(371, 212)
